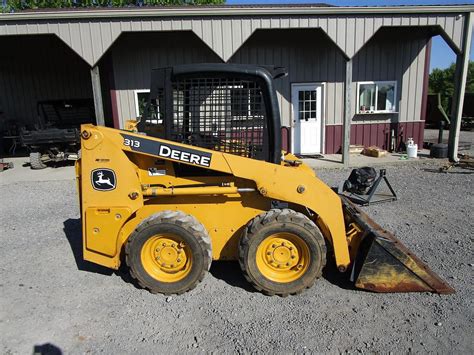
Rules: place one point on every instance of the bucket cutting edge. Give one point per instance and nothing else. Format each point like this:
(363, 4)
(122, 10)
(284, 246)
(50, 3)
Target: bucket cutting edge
(384, 264)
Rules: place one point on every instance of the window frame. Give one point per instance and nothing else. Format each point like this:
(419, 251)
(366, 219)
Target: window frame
(137, 106)
(377, 84)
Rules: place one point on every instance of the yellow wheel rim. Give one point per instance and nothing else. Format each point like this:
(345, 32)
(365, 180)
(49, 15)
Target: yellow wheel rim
(166, 258)
(283, 257)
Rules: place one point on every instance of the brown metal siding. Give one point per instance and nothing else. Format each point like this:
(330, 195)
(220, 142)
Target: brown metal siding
(377, 134)
(35, 68)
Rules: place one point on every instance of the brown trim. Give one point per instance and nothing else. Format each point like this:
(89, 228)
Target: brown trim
(286, 139)
(115, 117)
(113, 94)
(426, 80)
(378, 134)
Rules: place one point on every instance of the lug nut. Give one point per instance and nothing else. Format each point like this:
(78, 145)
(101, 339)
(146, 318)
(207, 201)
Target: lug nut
(178, 260)
(269, 253)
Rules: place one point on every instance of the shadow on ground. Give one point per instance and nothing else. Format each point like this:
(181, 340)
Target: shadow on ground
(230, 273)
(227, 271)
(73, 231)
(46, 349)
(339, 279)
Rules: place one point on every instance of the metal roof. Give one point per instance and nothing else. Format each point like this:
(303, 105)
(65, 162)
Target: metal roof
(232, 10)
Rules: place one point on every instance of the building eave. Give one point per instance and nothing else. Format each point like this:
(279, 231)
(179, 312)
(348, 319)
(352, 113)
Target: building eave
(209, 11)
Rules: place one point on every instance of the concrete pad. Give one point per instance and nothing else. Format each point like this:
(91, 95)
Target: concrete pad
(334, 161)
(22, 172)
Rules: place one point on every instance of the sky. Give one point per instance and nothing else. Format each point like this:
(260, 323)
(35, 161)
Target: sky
(441, 55)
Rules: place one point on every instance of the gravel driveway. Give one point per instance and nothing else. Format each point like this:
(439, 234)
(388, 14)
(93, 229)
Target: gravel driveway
(52, 300)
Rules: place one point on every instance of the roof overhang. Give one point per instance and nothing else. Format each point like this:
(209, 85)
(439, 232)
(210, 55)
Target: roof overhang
(207, 11)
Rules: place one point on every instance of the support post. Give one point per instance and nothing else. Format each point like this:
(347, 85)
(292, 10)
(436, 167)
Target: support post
(97, 93)
(346, 139)
(462, 64)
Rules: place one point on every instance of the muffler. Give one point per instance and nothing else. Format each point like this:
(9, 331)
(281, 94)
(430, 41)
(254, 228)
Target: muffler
(383, 264)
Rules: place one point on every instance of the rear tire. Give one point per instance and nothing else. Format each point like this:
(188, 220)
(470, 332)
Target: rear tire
(282, 252)
(169, 253)
(35, 161)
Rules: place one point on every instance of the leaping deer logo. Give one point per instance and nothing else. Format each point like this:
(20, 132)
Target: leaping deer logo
(101, 180)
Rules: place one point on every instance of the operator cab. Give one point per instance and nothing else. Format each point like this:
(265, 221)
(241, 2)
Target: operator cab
(231, 108)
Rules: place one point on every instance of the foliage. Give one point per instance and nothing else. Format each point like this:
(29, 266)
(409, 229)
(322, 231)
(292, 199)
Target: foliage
(442, 81)
(18, 5)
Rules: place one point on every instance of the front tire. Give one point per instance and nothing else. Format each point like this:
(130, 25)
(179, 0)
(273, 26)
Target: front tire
(282, 252)
(35, 161)
(169, 253)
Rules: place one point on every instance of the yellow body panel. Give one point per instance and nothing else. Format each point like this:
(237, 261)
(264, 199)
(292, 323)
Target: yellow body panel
(224, 215)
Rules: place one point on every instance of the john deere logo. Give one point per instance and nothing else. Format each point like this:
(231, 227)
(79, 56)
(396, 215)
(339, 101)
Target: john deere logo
(103, 179)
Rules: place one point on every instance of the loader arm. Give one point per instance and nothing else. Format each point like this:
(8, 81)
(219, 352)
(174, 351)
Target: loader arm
(294, 184)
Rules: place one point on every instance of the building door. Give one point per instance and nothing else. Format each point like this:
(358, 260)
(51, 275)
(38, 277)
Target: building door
(307, 118)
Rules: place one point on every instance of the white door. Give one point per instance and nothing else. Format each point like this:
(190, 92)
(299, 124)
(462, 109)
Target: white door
(307, 118)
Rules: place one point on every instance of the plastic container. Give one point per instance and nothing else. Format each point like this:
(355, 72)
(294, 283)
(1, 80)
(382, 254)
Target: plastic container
(412, 149)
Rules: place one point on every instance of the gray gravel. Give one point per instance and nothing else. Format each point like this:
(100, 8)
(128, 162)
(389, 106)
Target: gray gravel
(51, 299)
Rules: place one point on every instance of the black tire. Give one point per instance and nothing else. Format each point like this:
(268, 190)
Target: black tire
(35, 161)
(281, 221)
(439, 151)
(179, 224)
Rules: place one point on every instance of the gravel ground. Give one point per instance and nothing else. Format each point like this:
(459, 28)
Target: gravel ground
(51, 299)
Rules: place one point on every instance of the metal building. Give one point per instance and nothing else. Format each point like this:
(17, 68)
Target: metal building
(356, 75)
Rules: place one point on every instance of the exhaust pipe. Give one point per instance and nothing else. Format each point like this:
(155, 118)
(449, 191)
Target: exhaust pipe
(383, 264)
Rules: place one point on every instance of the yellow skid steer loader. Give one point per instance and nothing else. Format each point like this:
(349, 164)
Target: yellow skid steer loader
(202, 177)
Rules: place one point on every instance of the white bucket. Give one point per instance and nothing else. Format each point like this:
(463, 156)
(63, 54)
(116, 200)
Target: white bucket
(412, 149)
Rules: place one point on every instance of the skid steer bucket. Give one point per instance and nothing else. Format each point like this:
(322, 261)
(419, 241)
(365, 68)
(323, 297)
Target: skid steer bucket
(384, 264)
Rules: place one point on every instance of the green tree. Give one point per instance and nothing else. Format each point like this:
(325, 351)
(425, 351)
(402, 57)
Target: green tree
(442, 82)
(18, 5)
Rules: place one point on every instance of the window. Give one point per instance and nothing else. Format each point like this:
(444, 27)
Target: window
(141, 100)
(307, 105)
(376, 97)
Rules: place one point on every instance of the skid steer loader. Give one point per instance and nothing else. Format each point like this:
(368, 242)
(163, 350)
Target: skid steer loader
(202, 177)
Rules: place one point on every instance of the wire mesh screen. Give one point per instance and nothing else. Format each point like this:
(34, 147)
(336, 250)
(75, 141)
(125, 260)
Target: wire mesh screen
(222, 114)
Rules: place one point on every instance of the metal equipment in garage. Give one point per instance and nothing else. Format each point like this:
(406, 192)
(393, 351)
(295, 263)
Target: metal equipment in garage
(56, 136)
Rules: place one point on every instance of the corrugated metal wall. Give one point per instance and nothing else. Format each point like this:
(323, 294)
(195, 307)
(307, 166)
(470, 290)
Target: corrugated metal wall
(36, 68)
(393, 54)
(135, 54)
(309, 56)
(224, 34)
